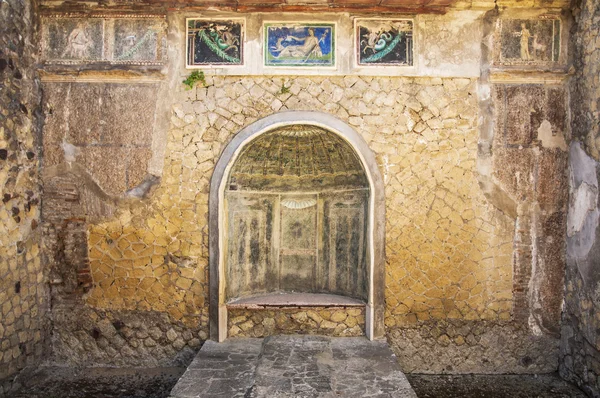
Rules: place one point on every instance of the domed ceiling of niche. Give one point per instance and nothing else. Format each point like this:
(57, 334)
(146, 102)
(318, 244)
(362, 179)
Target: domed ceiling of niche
(297, 158)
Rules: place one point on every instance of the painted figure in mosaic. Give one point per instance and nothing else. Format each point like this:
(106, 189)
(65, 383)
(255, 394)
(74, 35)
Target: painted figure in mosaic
(375, 41)
(224, 39)
(78, 43)
(220, 40)
(299, 44)
(214, 42)
(384, 42)
(311, 46)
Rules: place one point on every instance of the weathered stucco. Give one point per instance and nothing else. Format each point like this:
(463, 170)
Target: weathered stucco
(580, 343)
(86, 124)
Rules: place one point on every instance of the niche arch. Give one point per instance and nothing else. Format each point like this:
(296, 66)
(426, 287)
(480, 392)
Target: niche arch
(375, 229)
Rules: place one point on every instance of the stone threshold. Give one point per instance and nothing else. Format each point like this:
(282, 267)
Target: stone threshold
(295, 300)
(294, 366)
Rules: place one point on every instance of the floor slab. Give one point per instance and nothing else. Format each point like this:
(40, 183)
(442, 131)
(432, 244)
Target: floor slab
(294, 366)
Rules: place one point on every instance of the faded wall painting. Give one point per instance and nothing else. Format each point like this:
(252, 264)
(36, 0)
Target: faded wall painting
(299, 45)
(383, 42)
(72, 39)
(215, 42)
(137, 40)
(125, 40)
(525, 41)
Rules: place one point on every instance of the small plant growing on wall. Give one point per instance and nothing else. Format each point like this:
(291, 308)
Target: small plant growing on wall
(284, 89)
(193, 78)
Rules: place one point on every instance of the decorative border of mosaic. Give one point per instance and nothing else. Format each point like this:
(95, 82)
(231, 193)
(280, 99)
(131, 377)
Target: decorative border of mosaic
(383, 42)
(299, 44)
(215, 42)
(72, 39)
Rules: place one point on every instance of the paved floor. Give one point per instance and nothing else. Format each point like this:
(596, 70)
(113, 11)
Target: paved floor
(294, 366)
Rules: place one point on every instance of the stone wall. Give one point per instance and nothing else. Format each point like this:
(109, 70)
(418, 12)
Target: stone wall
(474, 184)
(580, 345)
(23, 293)
(96, 163)
(324, 321)
(462, 346)
(151, 256)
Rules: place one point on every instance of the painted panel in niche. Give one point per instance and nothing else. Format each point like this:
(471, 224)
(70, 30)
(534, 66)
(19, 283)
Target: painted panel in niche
(381, 42)
(137, 40)
(72, 40)
(215, 42)
(247, 263)
(525, 41)
(299, 44)
(298, 248)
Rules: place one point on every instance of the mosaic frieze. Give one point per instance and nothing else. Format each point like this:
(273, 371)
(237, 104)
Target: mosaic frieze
(139, 40)
(384, 42)
(524, 41)
(299, 45)
(215, 42)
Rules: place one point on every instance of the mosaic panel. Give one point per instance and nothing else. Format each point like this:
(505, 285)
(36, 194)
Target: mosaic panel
(299, 44)
(384, 42)
(215, 42)
(525, 41)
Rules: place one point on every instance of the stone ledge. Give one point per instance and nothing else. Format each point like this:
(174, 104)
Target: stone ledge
(295, 300)
(67, 75)
(504, 76)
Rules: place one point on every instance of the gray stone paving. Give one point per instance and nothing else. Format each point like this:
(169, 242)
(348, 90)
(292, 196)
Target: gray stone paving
(294, 366)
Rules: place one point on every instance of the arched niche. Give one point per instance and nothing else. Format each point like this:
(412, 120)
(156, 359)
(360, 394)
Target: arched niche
(242, 197)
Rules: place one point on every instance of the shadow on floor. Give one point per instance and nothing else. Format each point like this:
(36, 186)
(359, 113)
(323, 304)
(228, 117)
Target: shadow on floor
(492, 386)
(54, 382)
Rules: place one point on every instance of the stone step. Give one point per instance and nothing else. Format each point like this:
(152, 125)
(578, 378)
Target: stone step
(294, 366)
